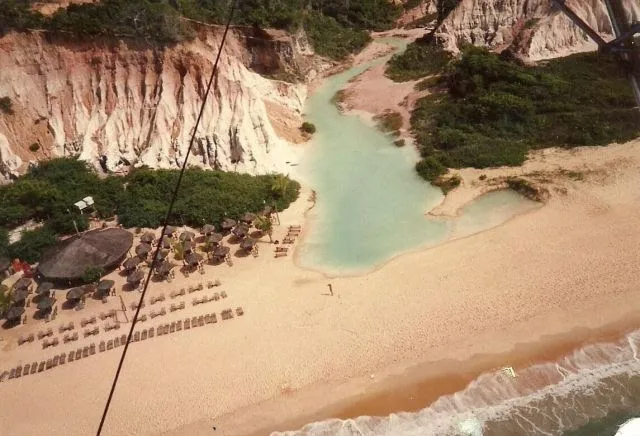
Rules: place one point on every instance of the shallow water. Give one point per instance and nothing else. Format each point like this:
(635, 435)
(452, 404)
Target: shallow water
(591, 392)
(371, 204)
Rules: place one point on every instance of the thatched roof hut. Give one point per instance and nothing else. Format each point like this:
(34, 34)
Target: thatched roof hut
(207, 229)
(14, 313)
(187, 236)
(131, 263)
(143, 250)
(165, 242)
(44, 288)
(23, 283)
(221, 251)
(248, 243)
(20, 295)
(193, 259)
(214, 238)
(46, 303)
(75, 293)
(227, 224)
(135, 277)
(97, 248)
(240, 231)
(248, 217)
(169, 231)
(164, 268)
(148, 237)
(105, 286)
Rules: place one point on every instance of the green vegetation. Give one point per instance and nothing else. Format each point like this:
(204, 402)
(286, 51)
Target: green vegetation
(47, 193)
(32, 244)
(92, 274)
(308, 127)
(34, 147)
(420, 59)
(448, 183)
(4, 243)
(399, 142)
(5, 299)
(264, 224)
(428, 83)
(389, 122)
(6, 105)
(336, 28)
(494, 110)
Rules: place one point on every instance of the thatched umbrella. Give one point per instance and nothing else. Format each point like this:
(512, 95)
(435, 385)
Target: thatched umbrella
(188, 246)
(248, 217)
(240, 231)
(192, 259)
(221, 251)
(268, 210)
(169, 231)
(75, 293)
(207, 229)
(143, 250)
(248, 243)
(227, 224)
(69, 260)
(164, 268)
(214, 238)
(131, 263)
(23, 283)
(45, 304)
(165, 242)
(20, 295)
(105, 286)
(187, 236)
(44, 288)
(14, 313)
(148, 237)
(162, 254)
(135, 277)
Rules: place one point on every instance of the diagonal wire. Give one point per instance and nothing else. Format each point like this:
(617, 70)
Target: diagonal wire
(166, 219)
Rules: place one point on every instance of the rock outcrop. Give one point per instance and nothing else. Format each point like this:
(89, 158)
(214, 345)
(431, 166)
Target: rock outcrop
(137, 105)
(533, 29)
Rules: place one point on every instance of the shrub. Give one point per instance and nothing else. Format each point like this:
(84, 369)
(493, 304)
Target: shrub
(447, 183)
(308, 127)
(420, 59)
(331, 39)
(6, 105)
(32, 244)
(494, 110)
(399, 143)
(92, 274)
(34, 147)
(389, 122)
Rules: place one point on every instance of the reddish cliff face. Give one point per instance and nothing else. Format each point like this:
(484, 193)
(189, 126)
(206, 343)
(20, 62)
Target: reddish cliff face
(532, 28)
(135, 104)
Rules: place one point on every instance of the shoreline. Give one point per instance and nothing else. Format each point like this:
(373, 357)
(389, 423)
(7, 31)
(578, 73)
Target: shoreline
(418, 386)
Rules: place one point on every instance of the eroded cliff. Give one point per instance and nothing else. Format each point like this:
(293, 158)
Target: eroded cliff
(532, 28)
(137, 105)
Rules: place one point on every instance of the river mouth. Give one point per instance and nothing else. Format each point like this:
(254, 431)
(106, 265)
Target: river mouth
(371, 205)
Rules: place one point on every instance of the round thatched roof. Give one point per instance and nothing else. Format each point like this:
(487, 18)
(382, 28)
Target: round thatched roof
(248, 217)
(46, 303)
(228, 224)
(240, 231)
(187, 236)
(248, 243)
(148, 237)
(97, 248)
(221, 251)
(44, 288)
(135, 277)
(15, 313)
(75, 293)
(208, 229)
(143, 249)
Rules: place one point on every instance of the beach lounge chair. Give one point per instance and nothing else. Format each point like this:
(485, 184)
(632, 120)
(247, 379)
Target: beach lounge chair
(110, 344)
(172, 308)
(142, 318)
(172, 328)
(79, 354)
(239, 311)
(25, 370)
(19, 371)
(71, 356)
(223, 294)
(181, 305)
(74, 337)
(151, 332)
(195, 302)
(123, 339)
(187, 324)
(34, 367)
(201, 321)
(41, 366)
(143, 336)
(85, 352)
(159, 330)
(163, 311)
(216, 296)
(92, 349)
(136, 336)
(3, 375)
(55, 342)
(200, 286)
(194, 321)
(102, 347)
(63, 358)
(12, 373)
(191, 289)
(214, 318)
(30, 338)
(207, 319)
(55, 360)
(179, 325)
(116, 342)
(49, 364)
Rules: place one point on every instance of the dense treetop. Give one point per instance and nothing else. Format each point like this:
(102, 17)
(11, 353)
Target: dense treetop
(336, 27)
(487, 110)
(47, 194)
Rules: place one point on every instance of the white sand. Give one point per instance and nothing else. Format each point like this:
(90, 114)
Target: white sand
(571, 263)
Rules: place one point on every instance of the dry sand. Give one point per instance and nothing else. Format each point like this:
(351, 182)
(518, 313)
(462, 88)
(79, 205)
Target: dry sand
(572, 263)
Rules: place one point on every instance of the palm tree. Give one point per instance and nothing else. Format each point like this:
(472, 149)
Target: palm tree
(5, 299)
(178, 250)
(280, 185)
(265, 225)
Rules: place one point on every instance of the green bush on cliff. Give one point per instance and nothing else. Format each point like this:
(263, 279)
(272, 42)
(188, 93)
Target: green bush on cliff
(420, 59)
(495, 110)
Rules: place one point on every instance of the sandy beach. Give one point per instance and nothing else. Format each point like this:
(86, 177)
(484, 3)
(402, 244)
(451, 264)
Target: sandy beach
(422, 325)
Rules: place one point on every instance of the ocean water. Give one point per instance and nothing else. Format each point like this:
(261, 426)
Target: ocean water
(591, 392)
(371, 204)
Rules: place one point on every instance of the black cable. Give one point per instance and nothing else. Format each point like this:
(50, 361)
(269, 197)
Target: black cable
(166, 220)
